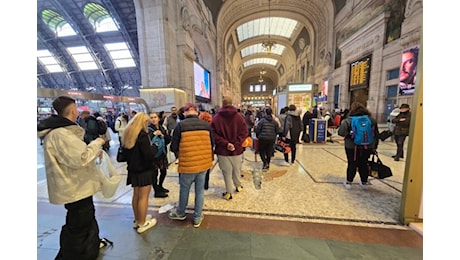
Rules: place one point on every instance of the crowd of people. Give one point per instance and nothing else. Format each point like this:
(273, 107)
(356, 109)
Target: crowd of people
(72, 141)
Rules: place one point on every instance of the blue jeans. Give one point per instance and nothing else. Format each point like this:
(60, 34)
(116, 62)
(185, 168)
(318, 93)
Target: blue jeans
(185, 182)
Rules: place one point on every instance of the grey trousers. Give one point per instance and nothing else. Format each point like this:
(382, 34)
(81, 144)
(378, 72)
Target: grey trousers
(231, 170)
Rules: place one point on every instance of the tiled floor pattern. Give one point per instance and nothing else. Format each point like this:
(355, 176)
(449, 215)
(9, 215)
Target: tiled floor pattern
(307, 197)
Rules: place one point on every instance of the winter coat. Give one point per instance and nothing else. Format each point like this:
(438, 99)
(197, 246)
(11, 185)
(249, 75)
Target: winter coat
(192, 143)
(267, 129)
(293, 125)
(228, 126)
(402, 127)
(71, 171)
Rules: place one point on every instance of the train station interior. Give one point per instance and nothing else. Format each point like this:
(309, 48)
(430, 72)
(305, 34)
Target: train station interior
(117, 56)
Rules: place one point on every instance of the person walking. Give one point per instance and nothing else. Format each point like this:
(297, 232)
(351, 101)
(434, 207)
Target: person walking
(291, 132)
(72, 179)
(401, 130)
(192, 143)
(161, 159)
(266, 131)
(357, 155)
(140, 154)
(229, 130)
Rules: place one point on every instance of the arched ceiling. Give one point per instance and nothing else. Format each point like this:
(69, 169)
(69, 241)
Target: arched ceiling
(313, 16)
(107, 79)
(111, 80)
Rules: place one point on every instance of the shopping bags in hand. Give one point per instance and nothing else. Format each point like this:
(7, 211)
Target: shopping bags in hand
(109, 176)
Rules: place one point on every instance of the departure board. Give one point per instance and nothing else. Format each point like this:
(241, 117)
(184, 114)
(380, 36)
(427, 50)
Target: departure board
(360, 72)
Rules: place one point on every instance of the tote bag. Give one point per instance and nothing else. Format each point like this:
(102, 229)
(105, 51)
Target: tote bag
(109, 176)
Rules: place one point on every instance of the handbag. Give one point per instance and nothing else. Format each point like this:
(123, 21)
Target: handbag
(121, 155)
(282, 146)
(109, 177)
(377, 169)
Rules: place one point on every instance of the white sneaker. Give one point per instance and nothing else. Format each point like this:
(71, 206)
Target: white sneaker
(363, 185)
(347, 185)
(147, 225)
(284, 163)
(135, 225)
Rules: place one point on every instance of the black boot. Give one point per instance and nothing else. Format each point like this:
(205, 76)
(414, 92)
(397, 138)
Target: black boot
(158, 192)
(161, 180)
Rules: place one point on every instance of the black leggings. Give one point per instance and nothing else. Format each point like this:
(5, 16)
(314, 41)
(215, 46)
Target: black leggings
(293, 145)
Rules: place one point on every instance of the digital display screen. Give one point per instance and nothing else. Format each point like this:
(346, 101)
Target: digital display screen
(359, 73)
(201, 81)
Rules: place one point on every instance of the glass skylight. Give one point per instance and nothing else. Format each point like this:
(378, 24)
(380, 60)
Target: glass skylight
(100, 18)
(83, 58)
(120, 54)
(279, 26)
(57, 23)
(268, 61)
(49, 61)
(257, 48)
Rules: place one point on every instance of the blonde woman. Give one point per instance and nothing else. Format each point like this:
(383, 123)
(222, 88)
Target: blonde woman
(140, 155)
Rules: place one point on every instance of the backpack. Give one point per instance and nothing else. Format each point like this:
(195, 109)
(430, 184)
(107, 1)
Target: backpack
(361, 130)
(159, 141)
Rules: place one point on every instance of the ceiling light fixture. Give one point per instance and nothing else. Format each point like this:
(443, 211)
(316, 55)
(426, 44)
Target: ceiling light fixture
(261, 79)
(268, 45)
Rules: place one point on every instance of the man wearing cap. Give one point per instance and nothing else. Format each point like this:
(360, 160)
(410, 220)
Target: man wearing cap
(401, 130)
(229, 130)
(71, 179)
(192, 143)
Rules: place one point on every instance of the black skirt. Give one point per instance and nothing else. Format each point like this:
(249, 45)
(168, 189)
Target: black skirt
(140, 179)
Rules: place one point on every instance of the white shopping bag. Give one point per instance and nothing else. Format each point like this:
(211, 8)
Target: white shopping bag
(109, 176)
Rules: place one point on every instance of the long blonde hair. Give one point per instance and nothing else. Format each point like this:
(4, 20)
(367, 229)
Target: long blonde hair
(137, 124)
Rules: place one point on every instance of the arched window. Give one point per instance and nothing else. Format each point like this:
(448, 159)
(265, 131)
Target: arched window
(57, 23)
(100, 18)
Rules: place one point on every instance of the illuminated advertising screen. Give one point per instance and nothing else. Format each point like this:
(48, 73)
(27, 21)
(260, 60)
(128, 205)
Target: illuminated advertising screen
(360, 71)
(408, 70)
(201, 81)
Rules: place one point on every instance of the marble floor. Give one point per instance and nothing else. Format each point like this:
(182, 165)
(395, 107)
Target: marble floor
(301, 211)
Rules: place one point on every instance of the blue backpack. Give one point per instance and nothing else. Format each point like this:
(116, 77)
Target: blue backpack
(361, 130)
(159, 141)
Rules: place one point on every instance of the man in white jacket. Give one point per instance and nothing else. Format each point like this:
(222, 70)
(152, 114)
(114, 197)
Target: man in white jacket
(71, 179)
